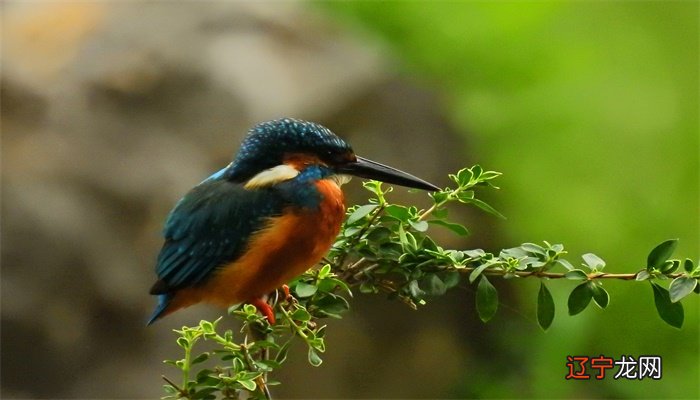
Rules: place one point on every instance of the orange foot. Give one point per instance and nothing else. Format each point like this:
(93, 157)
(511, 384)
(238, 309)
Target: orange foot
(287, 296)
(264, 309)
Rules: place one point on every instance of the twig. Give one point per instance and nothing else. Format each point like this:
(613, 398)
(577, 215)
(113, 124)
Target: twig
(171, 383)
(559, 275)
(264, 354)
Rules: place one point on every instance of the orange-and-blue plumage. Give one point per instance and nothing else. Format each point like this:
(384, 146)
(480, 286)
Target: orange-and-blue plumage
(261, 221)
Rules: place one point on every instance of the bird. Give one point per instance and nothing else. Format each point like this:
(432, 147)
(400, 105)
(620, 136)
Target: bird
(263, 220)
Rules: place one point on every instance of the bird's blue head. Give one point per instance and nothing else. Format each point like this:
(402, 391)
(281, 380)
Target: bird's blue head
(298, 143)
(270, 143)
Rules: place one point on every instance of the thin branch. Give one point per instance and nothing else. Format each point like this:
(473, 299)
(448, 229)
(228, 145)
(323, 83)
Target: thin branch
(182, 392)
(262, 385)
(558, 275)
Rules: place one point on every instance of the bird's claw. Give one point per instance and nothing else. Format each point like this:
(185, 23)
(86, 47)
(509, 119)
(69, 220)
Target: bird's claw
(264, 309)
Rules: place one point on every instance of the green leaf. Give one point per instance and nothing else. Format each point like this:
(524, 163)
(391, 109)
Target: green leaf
(478, 270)
(688, 265)
(204, 393)
(579, 298)
(658, 256)
(301, 314)
(325, 271)
(440, 212)
(681, 287)
(420, 226)
(533, 248)
(464, 176)
(439, 197)
(314, 358)
(600, 295)
(183, 342)
(266, 365)
(414, 289)
(429, 244)
(360, 213)
(304, 289)
(488, 175)
(282, 353)
(329, 284)
(486, 299)
(671, 313)
(434, 286)
(545, 307)
(379, 234)
(332, 305)
(466, 196)
(475, 253)
(248, 385)
(200, 358)
(486, 207)
(476, 171)
(207, 327)
(400, 213)
(593, 261)
(576, 275)
(451, 279)
(670, 266)
(566, 264)
(169, 389)
(207, 377)
(642, 275)
(456, 228)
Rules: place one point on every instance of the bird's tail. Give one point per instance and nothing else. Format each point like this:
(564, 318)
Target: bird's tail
(163, 303)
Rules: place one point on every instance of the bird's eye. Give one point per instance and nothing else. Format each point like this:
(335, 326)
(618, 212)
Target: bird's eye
(335, 157)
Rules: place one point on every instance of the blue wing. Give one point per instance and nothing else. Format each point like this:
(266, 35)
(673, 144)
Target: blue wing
(208, 228)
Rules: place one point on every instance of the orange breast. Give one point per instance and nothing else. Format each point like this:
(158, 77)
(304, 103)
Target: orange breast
(289, 246)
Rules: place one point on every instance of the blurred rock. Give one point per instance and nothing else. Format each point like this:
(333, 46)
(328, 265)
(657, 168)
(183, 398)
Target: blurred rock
(110, 112)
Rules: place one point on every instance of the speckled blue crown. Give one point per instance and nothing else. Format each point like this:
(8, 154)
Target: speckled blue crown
(267, 143)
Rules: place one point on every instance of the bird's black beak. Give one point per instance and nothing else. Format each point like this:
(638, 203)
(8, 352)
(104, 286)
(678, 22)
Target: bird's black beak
(369, 169)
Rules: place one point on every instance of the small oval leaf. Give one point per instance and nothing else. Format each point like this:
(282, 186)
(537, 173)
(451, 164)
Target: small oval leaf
(200, 358)
(593, 261)
(681, 287)
(579, 298)
(400, 213)
(478, 270)
(304, 289)
(248, 385)
(658, 256)
(576, 275)
(642, 275)
(486, 207)
(360, 213)
(566, 264)
(688, 265)
(671, 313)
(456, 228)
(420, 226)
(314, 358)
(545, 307)
(434, 286)
(486, 299)
(600, 295)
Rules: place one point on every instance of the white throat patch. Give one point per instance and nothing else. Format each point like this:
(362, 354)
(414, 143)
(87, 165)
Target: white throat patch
(272, 176)
(341, 180)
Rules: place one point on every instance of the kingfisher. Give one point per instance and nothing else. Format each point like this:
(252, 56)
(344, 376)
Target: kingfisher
(263, 220)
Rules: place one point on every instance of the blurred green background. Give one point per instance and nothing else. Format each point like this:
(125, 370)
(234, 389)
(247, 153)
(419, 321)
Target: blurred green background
(590, 109)
(111, 111)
